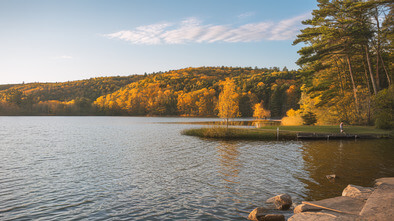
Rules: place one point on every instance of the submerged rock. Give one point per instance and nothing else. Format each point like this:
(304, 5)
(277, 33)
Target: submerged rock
(282, 201)
(331, 177)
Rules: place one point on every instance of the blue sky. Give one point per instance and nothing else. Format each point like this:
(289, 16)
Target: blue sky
(55, 41)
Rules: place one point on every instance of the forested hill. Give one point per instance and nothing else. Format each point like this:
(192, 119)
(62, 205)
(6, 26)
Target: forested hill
(58, 98)
(194, 92)
(184, 92)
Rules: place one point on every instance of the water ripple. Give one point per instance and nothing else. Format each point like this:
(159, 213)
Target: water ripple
(120, 168)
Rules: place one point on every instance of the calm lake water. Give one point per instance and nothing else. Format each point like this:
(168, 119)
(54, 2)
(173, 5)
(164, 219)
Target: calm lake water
(132, 168)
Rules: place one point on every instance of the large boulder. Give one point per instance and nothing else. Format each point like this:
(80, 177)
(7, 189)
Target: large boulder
(282, 201)
(384, 180)
(259, 214)
(274, 217)
(380, 204)
(323, 216)
(357, 192)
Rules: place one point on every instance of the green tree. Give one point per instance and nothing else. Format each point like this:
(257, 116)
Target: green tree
(343, 40)
(309, 118)
(384, 108)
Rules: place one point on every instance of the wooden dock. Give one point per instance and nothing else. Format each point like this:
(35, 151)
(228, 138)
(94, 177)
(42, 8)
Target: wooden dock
(320, 136)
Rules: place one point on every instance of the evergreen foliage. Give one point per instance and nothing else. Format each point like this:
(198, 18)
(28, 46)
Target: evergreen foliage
(346, 59)
(309, 118)
(384, 109)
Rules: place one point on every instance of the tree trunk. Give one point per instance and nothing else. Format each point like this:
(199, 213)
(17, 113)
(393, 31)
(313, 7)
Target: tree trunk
(353, 83)
(369, 95)
(377, 50)
(385, 70)
(366, 78)
(339, 76)
(370, 71)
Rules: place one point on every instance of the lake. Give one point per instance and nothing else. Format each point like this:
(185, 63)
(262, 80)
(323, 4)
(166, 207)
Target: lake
(137, 168)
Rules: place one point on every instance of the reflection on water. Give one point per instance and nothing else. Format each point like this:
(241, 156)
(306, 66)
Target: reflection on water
(229, 164)
(354, 162)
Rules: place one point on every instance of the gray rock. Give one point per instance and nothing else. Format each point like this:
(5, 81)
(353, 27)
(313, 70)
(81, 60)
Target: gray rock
(257, 214)
(274, 217)
(323, 216)
(312, 216)
(384, 180)
(331, 177)
(340, 203)
(380, 204)
(282, 201)
(357, 192)
(271, 200)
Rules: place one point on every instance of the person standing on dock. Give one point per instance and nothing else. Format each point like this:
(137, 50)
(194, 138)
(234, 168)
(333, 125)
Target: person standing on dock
(341, 127)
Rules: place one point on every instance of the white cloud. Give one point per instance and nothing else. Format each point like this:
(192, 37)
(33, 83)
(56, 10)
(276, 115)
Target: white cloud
(193, 30)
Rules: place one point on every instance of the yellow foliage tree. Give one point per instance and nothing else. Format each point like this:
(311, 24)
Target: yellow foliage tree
(228, 101)
(292, 118)
(260, 112)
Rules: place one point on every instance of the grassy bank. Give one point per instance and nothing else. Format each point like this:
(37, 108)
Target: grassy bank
(285, 132)
(239, 133)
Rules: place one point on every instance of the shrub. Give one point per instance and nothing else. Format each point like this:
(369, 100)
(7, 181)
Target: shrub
(292, 118)
(384, 108)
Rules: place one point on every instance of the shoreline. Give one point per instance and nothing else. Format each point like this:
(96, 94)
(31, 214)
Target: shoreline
(234, 133)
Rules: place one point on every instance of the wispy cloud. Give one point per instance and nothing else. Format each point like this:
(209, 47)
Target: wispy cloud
(65, 57)
(288, 28)
(246, 15)
(193, 30)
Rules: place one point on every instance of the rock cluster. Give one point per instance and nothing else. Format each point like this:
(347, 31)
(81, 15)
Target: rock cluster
(356, 203)
(281, 202)
(259, 214)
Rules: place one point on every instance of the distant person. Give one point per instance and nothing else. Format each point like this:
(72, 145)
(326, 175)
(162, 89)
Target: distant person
(341, 127)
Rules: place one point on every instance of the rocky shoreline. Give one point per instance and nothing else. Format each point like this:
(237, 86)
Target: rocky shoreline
(356, 203)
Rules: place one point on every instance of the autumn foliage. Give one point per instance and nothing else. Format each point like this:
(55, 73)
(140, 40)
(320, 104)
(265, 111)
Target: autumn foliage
(184, 92)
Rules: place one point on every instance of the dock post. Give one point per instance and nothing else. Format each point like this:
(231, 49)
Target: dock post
(277, 133)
